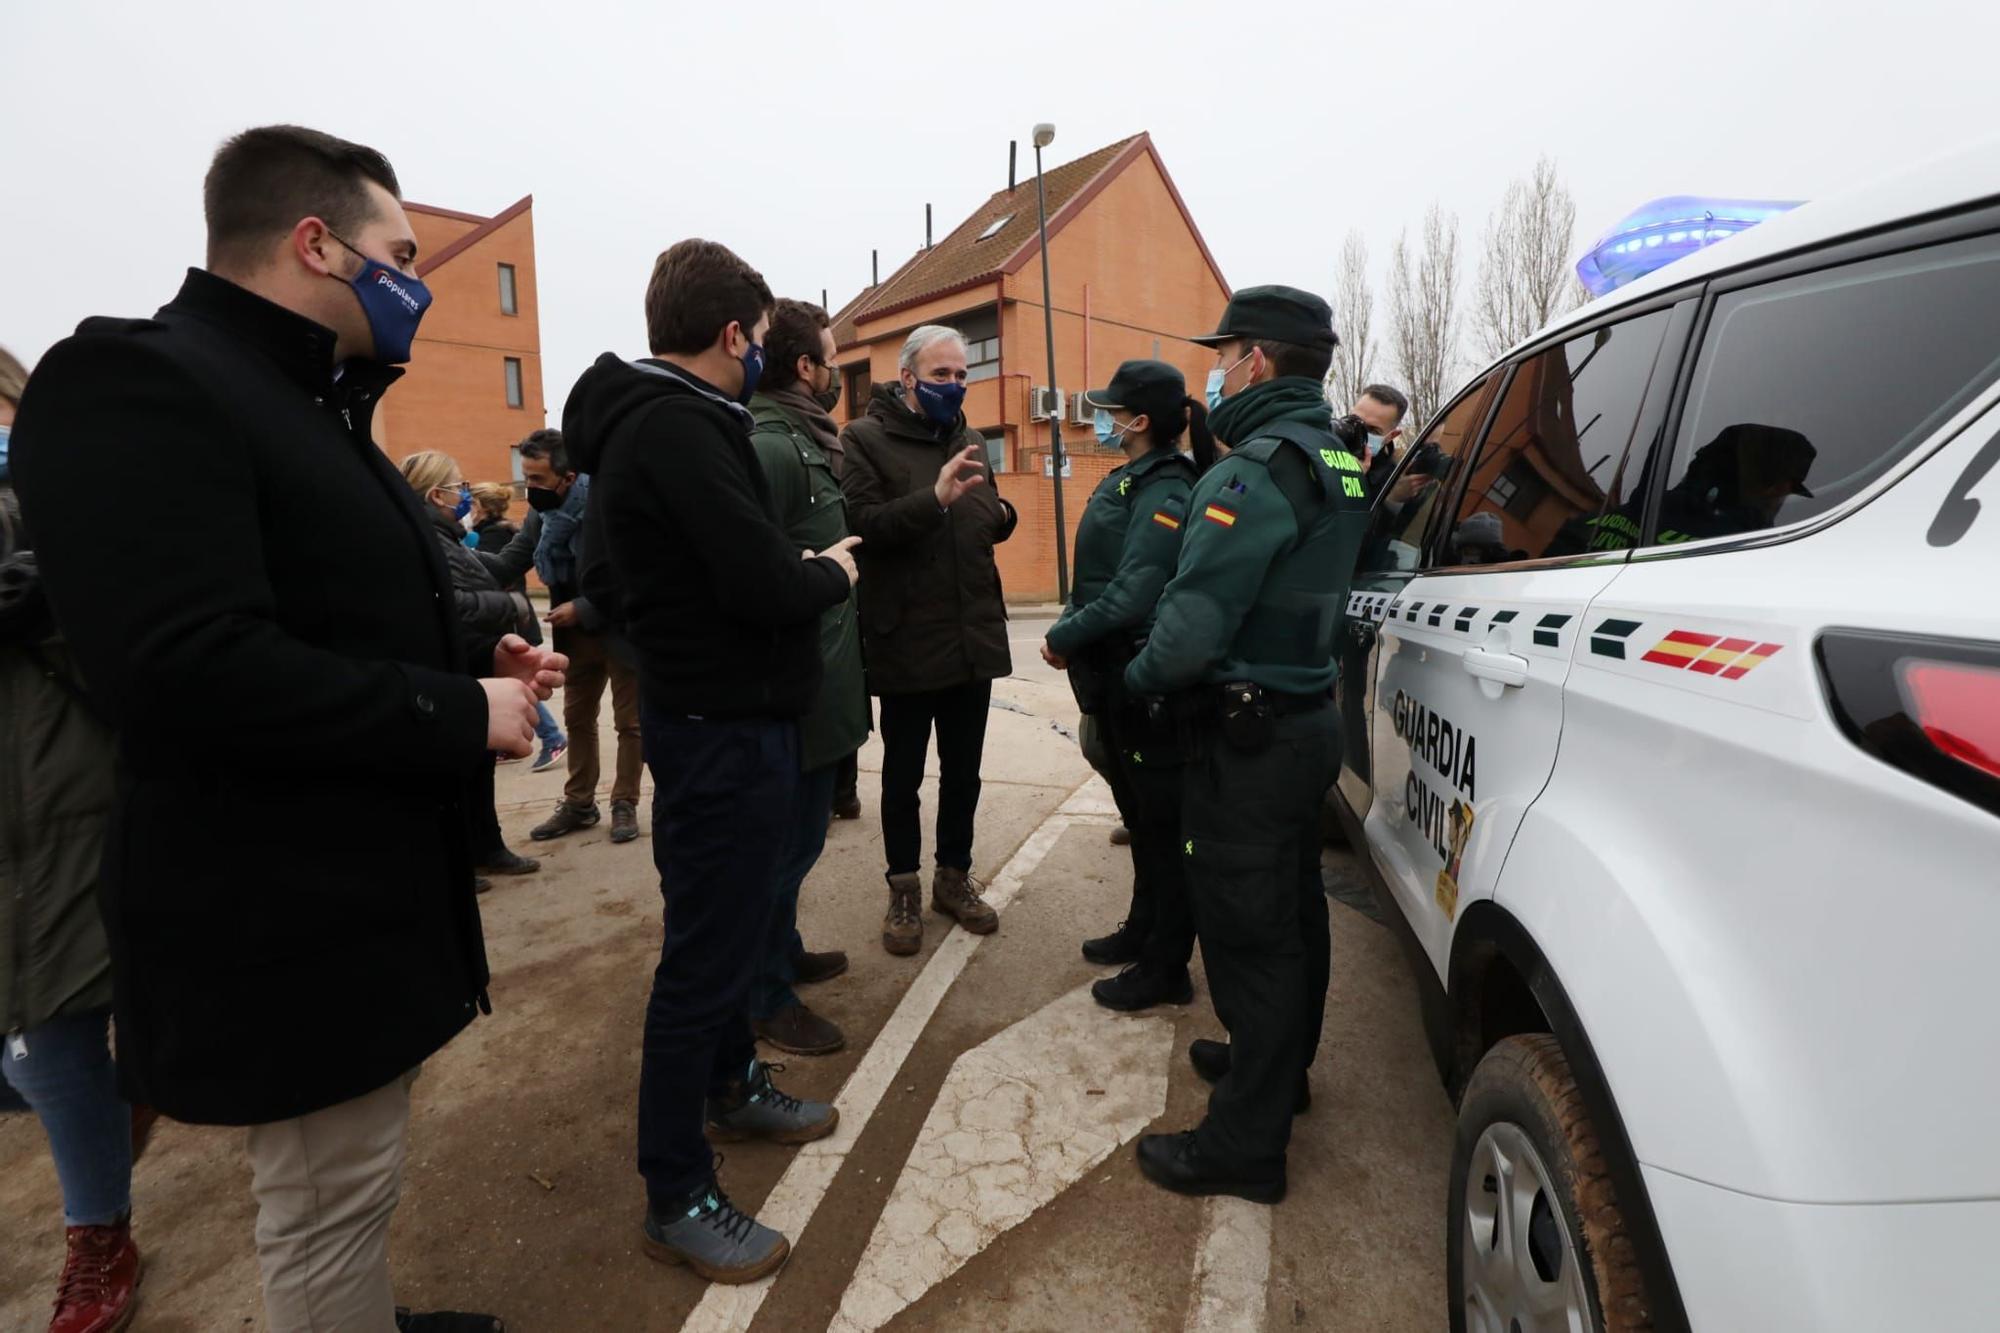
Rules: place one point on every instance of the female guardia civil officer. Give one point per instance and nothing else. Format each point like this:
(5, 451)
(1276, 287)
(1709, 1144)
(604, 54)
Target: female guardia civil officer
(1126, 548)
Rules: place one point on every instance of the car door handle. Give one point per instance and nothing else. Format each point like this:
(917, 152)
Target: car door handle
(1506, 668)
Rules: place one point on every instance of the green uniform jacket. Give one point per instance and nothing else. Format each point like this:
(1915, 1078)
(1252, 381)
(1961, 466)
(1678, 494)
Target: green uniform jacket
(1261, 588)
(56, 789)
(1126, 548)
(813, 513)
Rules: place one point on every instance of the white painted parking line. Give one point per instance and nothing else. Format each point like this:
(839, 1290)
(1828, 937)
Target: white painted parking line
(1232, 1269)
(797, 1195)
(1020, 1118)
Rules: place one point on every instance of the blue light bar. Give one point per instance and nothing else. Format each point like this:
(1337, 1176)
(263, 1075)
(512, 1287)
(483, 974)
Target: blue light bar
(1656, 234)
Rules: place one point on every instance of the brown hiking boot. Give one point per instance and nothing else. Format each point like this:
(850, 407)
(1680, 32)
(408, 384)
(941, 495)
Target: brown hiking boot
(799, 1030)
(903, 928)
(955, 893)
(567, 819)
(624, 821)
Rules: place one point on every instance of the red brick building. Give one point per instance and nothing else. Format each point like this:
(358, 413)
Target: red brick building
(474, 386)
(1131, 277)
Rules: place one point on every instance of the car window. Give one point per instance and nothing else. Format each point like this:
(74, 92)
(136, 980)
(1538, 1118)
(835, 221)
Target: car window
(1807, 389)
(1541, 482)
(1403, 511)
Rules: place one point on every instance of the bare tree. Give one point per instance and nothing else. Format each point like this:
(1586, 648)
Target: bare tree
(1354, 318)
(1524, 275)
(1423, 312)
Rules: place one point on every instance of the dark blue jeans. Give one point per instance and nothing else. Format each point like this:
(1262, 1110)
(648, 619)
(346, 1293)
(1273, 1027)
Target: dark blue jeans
(805, 839)
(62, 1070)
(724, 793)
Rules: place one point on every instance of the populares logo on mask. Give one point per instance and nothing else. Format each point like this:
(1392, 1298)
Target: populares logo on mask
(401, 293)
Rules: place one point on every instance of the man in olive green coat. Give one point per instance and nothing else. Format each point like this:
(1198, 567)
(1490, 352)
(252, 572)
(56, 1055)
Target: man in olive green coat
(793, 435)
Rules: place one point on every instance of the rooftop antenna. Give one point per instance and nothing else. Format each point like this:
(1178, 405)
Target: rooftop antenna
(927, 226)
(822, 306)
(875, 268)
(1013, 148)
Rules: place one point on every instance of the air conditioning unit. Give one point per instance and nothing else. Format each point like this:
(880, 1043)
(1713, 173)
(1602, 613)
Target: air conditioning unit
(1044, 404)
(1082, 413)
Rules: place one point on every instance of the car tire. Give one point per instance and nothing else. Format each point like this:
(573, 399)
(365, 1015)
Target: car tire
(1533, 1225)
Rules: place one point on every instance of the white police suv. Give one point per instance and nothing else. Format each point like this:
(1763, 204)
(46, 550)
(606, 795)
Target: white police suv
(1672, 717)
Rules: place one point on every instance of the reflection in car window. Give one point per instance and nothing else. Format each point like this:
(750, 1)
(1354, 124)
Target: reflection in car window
(1539, 485)
(1403, 511)
(1806, 390)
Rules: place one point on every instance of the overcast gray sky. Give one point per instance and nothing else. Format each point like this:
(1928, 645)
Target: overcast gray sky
(803, 135)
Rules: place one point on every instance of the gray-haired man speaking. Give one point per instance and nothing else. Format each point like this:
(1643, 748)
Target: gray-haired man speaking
(933, 623)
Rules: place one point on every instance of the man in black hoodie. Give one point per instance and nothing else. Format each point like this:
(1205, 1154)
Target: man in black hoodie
(680, 535)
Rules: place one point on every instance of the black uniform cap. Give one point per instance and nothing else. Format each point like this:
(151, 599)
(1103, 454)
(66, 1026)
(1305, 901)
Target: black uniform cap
(1140, 386)
(1280, 314)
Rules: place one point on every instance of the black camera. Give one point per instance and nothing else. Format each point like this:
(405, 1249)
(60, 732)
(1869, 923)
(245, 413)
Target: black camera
(1352, 432)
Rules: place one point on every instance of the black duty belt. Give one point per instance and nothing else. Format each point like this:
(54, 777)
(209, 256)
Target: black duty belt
(1281, 704)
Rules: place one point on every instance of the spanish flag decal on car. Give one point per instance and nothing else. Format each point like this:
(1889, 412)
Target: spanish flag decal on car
(1710, 654)
(1217, 514)
(1166, 520)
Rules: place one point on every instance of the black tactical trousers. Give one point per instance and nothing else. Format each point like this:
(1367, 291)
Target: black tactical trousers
(1250, 841)
(1146, 775)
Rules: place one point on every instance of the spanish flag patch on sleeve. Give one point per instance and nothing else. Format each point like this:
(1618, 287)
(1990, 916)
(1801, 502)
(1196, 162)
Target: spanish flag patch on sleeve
(1218, 514)
(1166, 520)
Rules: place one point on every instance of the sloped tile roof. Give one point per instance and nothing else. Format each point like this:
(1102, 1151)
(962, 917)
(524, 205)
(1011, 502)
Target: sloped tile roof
(962, 258)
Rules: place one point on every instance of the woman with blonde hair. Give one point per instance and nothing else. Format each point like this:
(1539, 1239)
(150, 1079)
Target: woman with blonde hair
(486, 612)
(491, 535)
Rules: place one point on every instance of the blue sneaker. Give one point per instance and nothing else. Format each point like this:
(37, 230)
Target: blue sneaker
(550, 756)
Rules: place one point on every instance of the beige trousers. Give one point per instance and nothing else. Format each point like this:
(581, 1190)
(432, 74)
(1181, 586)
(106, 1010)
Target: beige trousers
(326, 1185)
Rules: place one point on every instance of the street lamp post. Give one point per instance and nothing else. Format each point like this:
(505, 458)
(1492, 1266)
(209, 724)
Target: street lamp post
(1045, 134)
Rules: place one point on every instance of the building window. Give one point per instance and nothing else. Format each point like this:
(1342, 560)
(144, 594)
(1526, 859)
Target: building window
(520, 478)
(509, 305)
(982, 359)
(993, 228)
(859, 387)
(996, 450)
(513, 370)
(981, 332)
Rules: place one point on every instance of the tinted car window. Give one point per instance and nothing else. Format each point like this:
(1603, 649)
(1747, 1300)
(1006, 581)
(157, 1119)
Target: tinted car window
(1808, 389)
(1403, 510)
(1540, 485)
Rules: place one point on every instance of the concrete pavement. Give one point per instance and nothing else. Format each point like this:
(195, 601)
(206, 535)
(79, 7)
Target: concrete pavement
(982, 1178)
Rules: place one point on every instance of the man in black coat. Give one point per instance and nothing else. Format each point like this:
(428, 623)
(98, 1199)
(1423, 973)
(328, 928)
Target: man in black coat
(681, 536)
(275, 698)
(933, 618)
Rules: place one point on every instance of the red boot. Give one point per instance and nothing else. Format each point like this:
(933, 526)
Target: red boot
(100, 1281)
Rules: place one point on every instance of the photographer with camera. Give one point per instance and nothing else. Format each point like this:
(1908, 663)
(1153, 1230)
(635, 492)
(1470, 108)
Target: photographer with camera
(1380, 409)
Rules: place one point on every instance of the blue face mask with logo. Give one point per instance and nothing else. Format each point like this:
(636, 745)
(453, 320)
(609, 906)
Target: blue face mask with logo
(941, 402)
(394, 303)
(464, 505)
(753, 370)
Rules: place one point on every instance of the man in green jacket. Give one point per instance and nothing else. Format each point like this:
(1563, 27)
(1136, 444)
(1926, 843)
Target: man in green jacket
(1243, 648)
(793, 435)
